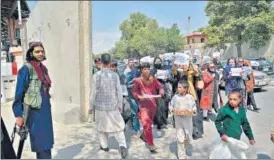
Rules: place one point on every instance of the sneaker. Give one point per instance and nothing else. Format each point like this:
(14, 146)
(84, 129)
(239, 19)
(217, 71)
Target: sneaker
(104, 149)
(124, 152)
(152, 148)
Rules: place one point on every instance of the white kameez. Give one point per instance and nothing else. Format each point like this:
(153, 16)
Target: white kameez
(183, 124)
(106, 97)
(109, 121)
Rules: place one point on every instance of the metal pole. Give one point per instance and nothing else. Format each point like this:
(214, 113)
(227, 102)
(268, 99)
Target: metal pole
(19, 13)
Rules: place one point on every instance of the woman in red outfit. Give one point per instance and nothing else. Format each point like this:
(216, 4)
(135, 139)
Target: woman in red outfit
(148, 85)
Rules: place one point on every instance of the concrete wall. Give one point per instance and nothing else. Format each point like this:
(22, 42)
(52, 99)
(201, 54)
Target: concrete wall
(266, 51)
(59, 25)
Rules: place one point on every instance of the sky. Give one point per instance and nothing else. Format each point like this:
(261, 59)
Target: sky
(108, 15)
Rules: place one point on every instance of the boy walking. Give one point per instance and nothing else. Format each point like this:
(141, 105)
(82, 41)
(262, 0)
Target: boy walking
(231, 119)
(183, 106)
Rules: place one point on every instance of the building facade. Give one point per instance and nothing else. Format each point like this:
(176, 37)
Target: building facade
(195, 40)
(10, 28)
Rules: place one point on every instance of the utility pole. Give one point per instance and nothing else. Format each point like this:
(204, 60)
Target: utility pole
(187, 29)
(188, 25)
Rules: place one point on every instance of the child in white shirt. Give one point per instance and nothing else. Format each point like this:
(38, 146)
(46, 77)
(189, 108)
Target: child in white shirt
(183, 107)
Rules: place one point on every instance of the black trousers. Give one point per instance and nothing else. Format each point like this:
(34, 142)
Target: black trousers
(43, 154)
(251, 99)
(198, 128)
(160, 117)
(215, 105)
(7, 151)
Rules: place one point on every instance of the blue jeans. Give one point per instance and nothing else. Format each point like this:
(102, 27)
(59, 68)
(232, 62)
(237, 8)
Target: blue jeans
(134, 111)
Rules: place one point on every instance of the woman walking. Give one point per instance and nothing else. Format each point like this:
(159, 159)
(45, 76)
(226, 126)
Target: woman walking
(210, 93)
(235, 82)
(250, 88)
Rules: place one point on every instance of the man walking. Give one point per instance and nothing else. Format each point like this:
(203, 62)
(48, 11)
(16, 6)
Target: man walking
(106, 99)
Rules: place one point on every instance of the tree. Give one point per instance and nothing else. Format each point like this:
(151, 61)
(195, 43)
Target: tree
(142, 36)
(240, 22)
(175, 41)
(215, 36)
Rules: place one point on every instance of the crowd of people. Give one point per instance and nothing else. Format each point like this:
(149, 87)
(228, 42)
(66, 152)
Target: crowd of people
(195, 92)
(188, 94)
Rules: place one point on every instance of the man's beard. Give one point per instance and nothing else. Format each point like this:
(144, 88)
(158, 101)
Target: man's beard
(36, 60)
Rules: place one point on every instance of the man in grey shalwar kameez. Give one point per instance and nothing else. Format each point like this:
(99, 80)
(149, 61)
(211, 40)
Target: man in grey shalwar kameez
(106, 99)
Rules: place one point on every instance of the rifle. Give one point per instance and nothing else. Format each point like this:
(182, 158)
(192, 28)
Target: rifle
(22, 131)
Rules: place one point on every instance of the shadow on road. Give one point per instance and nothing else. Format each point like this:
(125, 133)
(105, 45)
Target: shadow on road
(263, 156)
(260, 90)
(173, 147)
(69, 152)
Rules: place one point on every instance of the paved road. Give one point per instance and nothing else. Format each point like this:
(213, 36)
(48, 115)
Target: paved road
(81, 141)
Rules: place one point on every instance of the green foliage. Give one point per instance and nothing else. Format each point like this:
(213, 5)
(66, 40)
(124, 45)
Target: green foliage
(174, 39)
(239, 22)
(142, 36)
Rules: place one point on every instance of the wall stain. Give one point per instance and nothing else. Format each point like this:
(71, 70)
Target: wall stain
(68, 22)
(70, 99)
(49, 26)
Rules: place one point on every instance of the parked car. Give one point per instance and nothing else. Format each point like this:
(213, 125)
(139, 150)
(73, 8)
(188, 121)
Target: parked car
(261, 80)
(264, 66)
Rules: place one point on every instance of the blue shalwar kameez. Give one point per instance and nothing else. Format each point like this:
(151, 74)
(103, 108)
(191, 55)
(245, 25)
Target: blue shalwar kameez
(40, 121)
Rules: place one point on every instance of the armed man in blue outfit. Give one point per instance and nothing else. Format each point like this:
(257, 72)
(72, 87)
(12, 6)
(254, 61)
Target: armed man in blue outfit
(32, 96)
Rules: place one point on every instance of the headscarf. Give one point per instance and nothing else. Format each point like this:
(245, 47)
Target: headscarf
(42, 73)
(209, 70)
